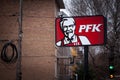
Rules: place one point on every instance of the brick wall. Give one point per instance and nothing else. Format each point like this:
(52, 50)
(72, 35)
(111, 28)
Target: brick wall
(38, 38)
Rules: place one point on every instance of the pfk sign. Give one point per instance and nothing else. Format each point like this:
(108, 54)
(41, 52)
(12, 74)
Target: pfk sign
(80, 31)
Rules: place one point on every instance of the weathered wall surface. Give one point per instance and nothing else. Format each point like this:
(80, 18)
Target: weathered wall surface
(38, 38)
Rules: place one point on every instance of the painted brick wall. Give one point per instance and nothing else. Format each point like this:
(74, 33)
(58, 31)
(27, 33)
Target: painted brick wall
(38, 38)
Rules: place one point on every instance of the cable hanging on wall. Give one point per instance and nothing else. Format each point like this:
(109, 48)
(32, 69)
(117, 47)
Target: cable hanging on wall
(5, 56)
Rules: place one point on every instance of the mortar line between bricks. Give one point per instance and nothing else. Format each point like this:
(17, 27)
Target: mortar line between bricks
(26, 16)
(38, 56)
(38, 16)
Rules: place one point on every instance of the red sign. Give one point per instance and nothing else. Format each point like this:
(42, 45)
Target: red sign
(80, 31)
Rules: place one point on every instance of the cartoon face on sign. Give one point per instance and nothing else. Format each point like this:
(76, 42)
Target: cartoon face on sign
(68, 27)
(72, 33)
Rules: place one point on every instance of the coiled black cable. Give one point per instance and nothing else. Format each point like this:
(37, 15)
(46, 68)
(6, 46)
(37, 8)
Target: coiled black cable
(11, 58)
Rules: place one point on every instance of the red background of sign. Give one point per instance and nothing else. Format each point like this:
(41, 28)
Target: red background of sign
(95, 38)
